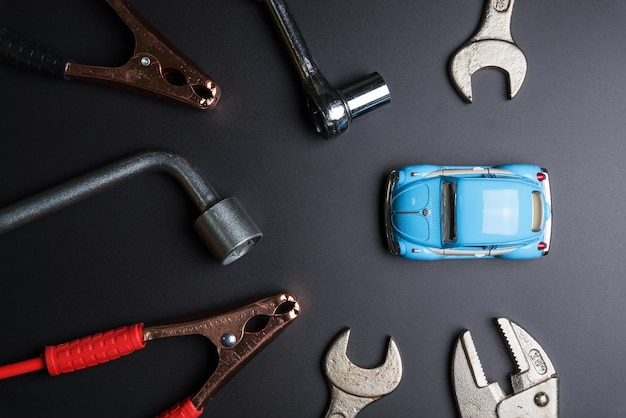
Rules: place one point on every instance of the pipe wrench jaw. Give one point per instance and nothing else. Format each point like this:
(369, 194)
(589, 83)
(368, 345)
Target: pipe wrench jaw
(535, 384)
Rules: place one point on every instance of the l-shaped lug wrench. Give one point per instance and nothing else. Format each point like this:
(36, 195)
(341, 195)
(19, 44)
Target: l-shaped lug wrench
(224, 225)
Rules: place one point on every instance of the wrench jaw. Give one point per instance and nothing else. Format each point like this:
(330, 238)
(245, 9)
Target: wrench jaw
(535, 385)
(475, 396)
(352, 387)
(492, 46)
(490, 53)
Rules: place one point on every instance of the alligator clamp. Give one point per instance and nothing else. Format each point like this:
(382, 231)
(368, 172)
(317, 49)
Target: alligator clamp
(237, 335)
(535, 385)
(156, 68)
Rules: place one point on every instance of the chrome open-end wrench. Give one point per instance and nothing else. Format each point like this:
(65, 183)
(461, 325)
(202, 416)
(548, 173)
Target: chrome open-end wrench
(492, 46)
(353, 388)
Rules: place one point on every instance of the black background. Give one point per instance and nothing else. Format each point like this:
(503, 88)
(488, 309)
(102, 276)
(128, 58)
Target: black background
(130, 254)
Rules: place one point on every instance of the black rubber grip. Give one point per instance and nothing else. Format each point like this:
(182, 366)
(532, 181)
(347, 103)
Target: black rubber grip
(25, 53)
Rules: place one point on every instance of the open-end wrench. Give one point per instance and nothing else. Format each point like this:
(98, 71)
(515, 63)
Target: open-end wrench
(353, 388)
(330, 109)
(492, 46)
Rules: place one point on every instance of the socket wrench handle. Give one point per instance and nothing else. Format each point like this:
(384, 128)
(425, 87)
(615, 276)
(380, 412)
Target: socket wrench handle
(224, 225)
(330, 109)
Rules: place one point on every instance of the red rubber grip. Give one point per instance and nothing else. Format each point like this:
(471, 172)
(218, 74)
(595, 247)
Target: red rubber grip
(184, 409)
(96, 349)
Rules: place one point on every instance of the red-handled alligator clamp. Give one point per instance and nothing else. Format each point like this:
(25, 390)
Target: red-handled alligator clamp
(156, 68)
(238, 336)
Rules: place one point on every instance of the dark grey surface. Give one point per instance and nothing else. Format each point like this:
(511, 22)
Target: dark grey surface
(130, 255)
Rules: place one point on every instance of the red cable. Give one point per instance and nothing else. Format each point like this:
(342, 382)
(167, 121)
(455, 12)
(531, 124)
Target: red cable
(22, 367)
(81, 353)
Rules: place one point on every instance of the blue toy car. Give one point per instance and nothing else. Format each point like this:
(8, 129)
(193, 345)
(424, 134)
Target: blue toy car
(434, 212)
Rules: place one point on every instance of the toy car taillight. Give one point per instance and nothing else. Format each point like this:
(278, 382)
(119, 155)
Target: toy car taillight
(541, 176)
(542, 246)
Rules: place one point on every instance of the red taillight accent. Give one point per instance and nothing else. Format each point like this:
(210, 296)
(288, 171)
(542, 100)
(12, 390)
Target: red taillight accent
(413, 174)
(541, 176)
(542, 246)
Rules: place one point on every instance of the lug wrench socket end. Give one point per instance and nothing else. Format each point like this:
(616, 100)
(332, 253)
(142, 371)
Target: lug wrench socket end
(228, 231)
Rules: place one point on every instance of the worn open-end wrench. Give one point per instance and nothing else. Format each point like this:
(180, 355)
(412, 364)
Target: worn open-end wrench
(353, 388)
(492, 46)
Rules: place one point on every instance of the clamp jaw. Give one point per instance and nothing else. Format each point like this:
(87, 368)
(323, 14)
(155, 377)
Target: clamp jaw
(535, 385)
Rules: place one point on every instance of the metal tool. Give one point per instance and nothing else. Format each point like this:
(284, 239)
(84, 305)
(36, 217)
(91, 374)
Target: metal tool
(331, 110)
(492, 46)
(156, 68)
(224, 225)
(353, 388)
(235, 335)
(535, 384)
